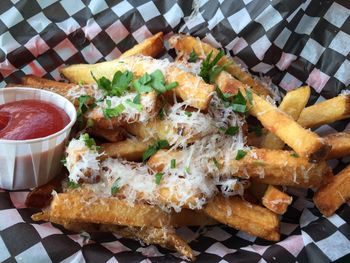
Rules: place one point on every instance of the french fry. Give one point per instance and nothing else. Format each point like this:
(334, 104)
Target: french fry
(333, 194)
(131, 150)
(302, 141)
(165, 237)
(41, 196)
(61, 88)
(85, 207)
(292, 104)
(186, 44)
(244, 216)
(325, 112)
(274, 167)
(151, 46)
(111, 135)
(340, 143)
(276, 200)
(190, 87)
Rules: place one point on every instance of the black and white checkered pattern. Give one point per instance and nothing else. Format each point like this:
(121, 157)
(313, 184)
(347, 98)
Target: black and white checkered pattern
(294, 42)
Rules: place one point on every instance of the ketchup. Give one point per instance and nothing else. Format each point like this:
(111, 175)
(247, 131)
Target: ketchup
(30, 119)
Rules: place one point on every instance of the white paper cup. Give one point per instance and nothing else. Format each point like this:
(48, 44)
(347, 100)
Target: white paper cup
(31, 163)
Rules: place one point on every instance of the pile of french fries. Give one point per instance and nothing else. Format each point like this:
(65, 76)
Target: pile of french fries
(148, 175)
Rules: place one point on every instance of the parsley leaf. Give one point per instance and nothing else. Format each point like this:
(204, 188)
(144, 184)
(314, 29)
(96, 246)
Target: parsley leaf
(193, 57)
(161, 144)
(232, 130)
(173, 163)
(89, 142)
(154, 81)
(239, 103)
(113, 112)
(83, 107)
(295, 155)
(119, 84)
(137, 99)
(72, 184)
(115, 186)
(249, 96)
(158, 177)
(161, 114)
(188, 113)
(208, 69)
(134, 105)
(240, 154)
(90, 123)
(216, 163)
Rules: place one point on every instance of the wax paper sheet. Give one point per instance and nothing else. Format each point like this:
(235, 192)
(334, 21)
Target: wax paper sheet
(293, 42)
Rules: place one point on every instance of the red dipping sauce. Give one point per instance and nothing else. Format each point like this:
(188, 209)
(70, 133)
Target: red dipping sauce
(30, 119)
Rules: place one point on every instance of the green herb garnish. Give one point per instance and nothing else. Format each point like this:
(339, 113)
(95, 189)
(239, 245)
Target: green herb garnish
(154, 81)
(240, 154)
(89, 142)
(118, 86)
(72, 184)
(115, 186)
(134, 105)
(188, 113)
(173, 163)
(161, 144)
(83, 107)
(193, 57)
(295, 155)
(209, 70)
(158, 177)
(232, 130)
(216, 163)
(187, 169)
(113, 112)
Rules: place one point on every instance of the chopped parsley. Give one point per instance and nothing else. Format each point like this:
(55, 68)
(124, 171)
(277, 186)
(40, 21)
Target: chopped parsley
(89, 142)
(90, 123)
(161, 114)
(115, 187)
(295, 155)
(63, 161)
(158, 177)
(209, 70)
(216, 163)
(232, 130)
(249, 96)
(173, 163)
(187, 169)
(134, 105)
(161, 144)
(240, 154)
(72, 184)
(188, 113)
(154, 81)
(118, 86)
(237, 102)
(113, 112)
(193, 57)
(83, 107)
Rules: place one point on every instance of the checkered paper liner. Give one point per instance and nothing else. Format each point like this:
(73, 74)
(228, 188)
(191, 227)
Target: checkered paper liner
(293, 42)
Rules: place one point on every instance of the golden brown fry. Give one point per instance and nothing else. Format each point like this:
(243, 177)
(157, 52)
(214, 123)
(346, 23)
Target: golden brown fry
(325, 112)
(304, 142)
(112, 135)
(151, 46)
(41, 196)
(276, 200)
(61, 88)
(228, 84)
(190, 87)
(332, 195)
(292, 104)
(83, 206)
(340, 143)
(131, 150)
(185, 44)
(165, 237)
(274, 167)
(244, 216)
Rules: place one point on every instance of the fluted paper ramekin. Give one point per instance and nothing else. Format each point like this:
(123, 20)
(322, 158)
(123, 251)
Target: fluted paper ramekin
(31, 163)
